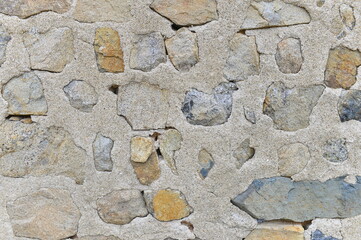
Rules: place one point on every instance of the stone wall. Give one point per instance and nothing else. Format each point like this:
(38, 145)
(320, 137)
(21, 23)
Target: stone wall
(180, 119)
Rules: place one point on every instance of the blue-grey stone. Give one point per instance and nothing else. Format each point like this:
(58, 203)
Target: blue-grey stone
(4, 39)
(318, 235)
(349, 105)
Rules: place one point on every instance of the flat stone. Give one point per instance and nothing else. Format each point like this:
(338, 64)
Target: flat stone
(318, 235)
(4, 40)
(108, 51)
(25, 95)
(290, 108)
(45, 214)
(335, 150)
(81, 95)
(144, 106)
(277, 231)
(148, 171)
(206, 163)
(183, 50)
(274, 13)
(141, 149)
(170, 142)
(121, 207)
(243, 58)
(292, 159)
(52, 50)
(281, 198)
(148, 52)
(98, 237)
(206, 109)
(341, 68)
(244, 152)
(102, 149)
(347, 16)
(187, 12)
(250, 116)
(289, 56)
(26, 8)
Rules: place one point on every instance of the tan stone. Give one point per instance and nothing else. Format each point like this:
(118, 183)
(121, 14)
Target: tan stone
(141, 149)
(277, 231)
(169, 142)
(292, 159)
(108, 51)
(149, 171)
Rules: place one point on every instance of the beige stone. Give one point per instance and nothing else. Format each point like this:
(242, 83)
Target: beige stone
(169, 143)
(148, 171)
(289, 56)
(98, 237)
(277, 231)
(292, 159)
(347, 16)
(141, 149)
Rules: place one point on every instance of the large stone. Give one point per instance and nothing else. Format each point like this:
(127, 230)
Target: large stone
(335, 150)
(26, 8)
(81, 95)
(52, 50)
(108, 51)
(341, 68)
(205, 109)
(277, 231)
(281, 198)
(45, 214)
(25, 95)
(206, 163)
(98, 237)
(141, 148)
(170, 142)
(4, 39)
(187, 12)
(244, 152)
(318, 235)
(290, 108)
(148, 171)
(102, 151)
(347, 16)
(289, 55)
(292, 159)
(243, 58)
(121, 207)
(349, 105)
(274, 13)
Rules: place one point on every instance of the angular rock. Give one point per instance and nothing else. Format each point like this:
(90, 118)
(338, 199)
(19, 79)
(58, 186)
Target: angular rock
(187, 12)
(25, 95)
(349, 105)
(250, 116)
(167, 204)
(205, 109)
(341, 68)
(289, 56)
(98, 237)
(102, 149)
(141, 149)
(148, 171)
(335, 150)
(274, 13)
(26, 8)
(318, 235)
(277, 231)
(147, 52)
(243, 153)
(169, 143)
(206, 163)
(50, 51)
(281, 198)
(182, 49)
(81, 95)
(347, 16)
(108, 51)
(144, 106)
(292, 159)
(4, 39)
(121, 207)
(45, 214)
(290, 108)
(243, 58)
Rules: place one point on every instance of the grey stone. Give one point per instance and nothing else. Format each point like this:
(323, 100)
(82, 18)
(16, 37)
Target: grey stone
(335, 150)
(289, 55)
(4, 39)
(81, 95)
(347, 16)
(148, 52)
(250, 116)
(169, 143)
(244, 152)
(206, 163)
(349, 105)
(290, 108)
(205, 109)
(292, 159)
(281, 198)
(318, 235)
(102, 148)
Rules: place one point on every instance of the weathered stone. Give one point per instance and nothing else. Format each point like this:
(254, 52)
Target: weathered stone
(277, 231)
(182, 49)
(102, 149)
(167, 204)
(50, 51)
(45, 214)
(98, 237)
(289, 55)
(148, 171)
(102, 10)
(206, 163)
(121, 207)
(347, 16)
(187, 12)
(141, 149)
(108, 51)
(349, 105)
(320, 3)
(274, 13)
(26, 8)
(25, 95)
(147, 52)
(292, 159)
(205, 109)
(341, 68)
(243, 153)
(281, 198)
(290, 108)
(243, 58)
(4, 39)
(250, 116)
(335, 150)
(169, 143)
(81, 95)
(318, 235)
(144, 106)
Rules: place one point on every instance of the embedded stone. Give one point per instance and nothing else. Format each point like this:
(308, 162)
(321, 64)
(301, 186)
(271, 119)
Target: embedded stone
(25, 95)
(148, 52)
(349, 105)
(187, 12)
(277, 231)
(206, 109)
(206, 163)
(121, 207)
(108, 51)
(148, 171)
(274, 13)
(45, 214)
(4, 40)
(243, 58)
(250, 116)
(289, 55)
(141, 149)
(244, 152)
(318, 235)
(290, 108)
(102, 149)
(170, 142)
(182, 49)
(292, 159)
(335, 150)
(98, 237)
(81, 95)
(347, 16)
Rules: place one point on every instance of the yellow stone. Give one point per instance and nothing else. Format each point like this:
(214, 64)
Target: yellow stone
(141, 149)
(277, 231)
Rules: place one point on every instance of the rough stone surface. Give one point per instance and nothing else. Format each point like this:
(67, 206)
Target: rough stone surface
(45, 214)
(98, 237)
(347, 16)
(206, 163)
(292, 159)
(244, 152)
(102, 149)
(250, 116)
(81, 95)
(335, 150)
(318, 235)
(349, 105)
(289, 55)
(290, 108)
(141, 149)
(148, 171)
(4, 39)
(277, 231)
(169, 143)
(121, 207)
